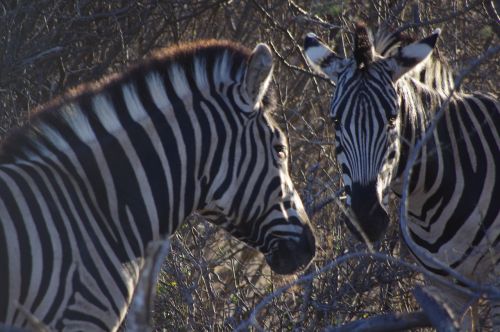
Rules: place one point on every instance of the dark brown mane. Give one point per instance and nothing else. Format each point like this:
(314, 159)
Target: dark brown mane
(363, 53)
(182, 54)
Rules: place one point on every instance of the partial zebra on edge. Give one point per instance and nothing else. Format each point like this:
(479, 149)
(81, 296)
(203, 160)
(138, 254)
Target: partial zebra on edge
(104, 170)
(384, 103)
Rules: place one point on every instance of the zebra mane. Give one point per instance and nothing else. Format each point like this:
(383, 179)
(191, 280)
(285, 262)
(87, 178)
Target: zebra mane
(230, 56)
(363, 48)
(219, 61)
(386, 42)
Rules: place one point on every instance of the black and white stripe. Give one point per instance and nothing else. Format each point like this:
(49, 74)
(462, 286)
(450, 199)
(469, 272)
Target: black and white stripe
(103, 170)
(381, 107)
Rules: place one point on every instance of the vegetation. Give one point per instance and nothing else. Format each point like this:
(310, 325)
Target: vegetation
(210, 281)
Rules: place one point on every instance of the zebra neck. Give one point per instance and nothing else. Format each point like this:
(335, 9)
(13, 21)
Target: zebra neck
(435, 74)
(419, 105)
(137, 160)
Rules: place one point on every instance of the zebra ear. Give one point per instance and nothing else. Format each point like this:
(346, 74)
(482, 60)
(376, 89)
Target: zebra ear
(259, 72)
(321, 58)
(411, 55)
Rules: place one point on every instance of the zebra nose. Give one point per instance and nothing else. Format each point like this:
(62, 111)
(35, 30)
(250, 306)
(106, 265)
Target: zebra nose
(366, 213)
(373, 226)
(291, 255)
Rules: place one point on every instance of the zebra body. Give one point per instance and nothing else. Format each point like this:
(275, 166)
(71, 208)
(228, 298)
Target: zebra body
(386, 98)
(104, 170)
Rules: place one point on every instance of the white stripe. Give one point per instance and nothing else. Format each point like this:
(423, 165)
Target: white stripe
(134, 105)
(77, 121)
(13, 251)
(179, 82)
(106, 113)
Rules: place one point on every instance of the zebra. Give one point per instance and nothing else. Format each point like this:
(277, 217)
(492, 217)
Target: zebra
(112, 165)
(385, 99)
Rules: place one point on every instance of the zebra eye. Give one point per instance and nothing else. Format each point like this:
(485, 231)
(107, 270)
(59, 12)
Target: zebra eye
(281, 151)
(335, 120)
(392, 122)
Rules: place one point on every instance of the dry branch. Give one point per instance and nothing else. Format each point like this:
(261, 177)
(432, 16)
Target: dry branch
(267, 300)
(6, 328)
(436, 311)
(139, 314)
(386, 323)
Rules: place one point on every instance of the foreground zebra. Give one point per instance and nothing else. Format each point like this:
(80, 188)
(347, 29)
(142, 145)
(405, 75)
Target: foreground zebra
(380, 108)
(111, 166)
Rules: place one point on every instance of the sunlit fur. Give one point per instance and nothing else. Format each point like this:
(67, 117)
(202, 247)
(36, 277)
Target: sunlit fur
(379, 116)
(103, 170)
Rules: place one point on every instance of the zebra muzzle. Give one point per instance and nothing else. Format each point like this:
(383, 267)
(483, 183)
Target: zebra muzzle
(290, 255)
(366, 218)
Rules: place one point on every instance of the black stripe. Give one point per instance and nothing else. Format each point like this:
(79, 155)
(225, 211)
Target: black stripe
(25, 248)
(188, 137)
(150, 162)
(4, 257)
(237, 202)
(44, 238)
(63, 238)
(256, 184)
(83, 152)
(157, 178)
(170, 150)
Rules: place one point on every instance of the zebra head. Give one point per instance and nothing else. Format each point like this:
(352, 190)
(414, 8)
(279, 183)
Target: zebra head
(253, 197)
(365, 109)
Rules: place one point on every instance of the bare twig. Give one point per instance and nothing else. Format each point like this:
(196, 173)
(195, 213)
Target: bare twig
(436, 311)
(385, 323)
(417, 23)
(44, 54)
(252, 320)
(34, 322)
(139, 316)
(6, 328)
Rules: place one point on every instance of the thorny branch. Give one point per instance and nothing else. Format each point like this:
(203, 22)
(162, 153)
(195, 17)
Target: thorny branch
(386, 323)
(253, 321)
(418, 23)
(139, 314)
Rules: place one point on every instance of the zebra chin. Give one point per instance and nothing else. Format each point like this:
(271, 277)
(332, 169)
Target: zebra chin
(290, 256)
